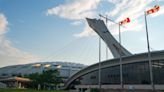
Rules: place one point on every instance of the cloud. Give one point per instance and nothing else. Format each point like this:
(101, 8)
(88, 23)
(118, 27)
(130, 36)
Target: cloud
(118, 7)
(134, 9)
(3, 24)
(86, 32)
(114, 1)
(79, 9)
(76, 10)
(75, 23)
(10, 55)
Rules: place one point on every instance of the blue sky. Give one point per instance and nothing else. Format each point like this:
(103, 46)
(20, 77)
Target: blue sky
(56, 30)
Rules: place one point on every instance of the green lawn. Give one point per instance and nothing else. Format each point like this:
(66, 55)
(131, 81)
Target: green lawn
(29, 90)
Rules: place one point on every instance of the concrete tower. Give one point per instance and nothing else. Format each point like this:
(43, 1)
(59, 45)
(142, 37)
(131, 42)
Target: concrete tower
(99, 27)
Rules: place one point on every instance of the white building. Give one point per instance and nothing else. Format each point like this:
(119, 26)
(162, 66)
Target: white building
(66, 69)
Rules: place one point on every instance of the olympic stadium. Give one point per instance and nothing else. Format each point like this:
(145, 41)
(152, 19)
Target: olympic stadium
(66, 69)
(135, 67)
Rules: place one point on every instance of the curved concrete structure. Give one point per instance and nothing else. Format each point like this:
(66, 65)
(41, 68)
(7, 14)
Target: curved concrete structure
(135, 68)
(134, 59)
(99, 27)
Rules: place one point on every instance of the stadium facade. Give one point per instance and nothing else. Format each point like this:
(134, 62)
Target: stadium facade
(66, 69)
(135, 67)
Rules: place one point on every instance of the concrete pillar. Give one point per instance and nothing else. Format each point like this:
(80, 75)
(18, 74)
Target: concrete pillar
(15, 84)
(19, 85)
(39, 86)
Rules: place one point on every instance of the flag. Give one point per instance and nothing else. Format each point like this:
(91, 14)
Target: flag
(153, 10)
(127, 20)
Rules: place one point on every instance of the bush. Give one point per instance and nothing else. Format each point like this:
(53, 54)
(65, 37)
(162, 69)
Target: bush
(95, 90)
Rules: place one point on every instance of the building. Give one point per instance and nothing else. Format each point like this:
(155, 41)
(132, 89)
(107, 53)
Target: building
(15, 82)
(66, 69)
(135, 68)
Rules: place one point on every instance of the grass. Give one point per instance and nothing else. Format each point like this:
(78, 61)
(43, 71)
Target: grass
(29, 90)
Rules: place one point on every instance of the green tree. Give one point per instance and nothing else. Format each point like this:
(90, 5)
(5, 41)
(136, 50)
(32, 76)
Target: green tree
(47, 78)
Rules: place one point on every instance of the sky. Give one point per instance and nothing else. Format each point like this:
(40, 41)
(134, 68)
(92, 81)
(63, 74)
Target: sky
(56, 30)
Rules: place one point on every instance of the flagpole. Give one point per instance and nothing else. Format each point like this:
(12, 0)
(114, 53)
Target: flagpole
(106, 44)
(121, 70)
(99, 63)
(121, 76)
(106, 52)
(149, 54)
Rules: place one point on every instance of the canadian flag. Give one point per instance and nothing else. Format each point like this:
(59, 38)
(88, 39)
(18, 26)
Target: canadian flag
(127, 20)
(153, 10)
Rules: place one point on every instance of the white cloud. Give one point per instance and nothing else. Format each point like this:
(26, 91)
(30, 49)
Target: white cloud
(114, 1)
(86, 32)
(3, 24)
(128, 27)
(75, 23)
(134, 9)
(8, 54)
(78, 9)
(118, 7)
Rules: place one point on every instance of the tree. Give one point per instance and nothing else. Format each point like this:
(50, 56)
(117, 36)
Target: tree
(46, 79)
